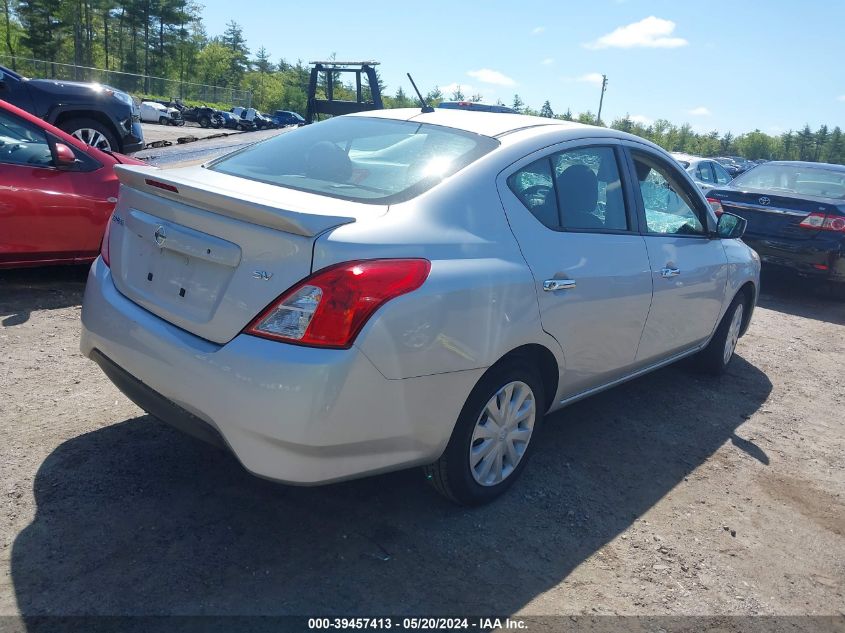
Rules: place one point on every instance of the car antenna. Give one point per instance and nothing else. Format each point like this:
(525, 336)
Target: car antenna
(425, 107)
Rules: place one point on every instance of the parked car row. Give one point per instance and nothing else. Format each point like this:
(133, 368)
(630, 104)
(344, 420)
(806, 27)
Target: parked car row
(238, 118)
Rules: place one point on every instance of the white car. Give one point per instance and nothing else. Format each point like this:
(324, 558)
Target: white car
(400, 288)
(154, 112)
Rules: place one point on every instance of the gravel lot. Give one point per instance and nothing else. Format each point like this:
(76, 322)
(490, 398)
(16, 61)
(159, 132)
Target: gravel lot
(673, 494)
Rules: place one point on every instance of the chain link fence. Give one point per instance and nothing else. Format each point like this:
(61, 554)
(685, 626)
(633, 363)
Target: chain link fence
(135, 84)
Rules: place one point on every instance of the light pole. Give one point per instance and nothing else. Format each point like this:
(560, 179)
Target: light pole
(601, 99)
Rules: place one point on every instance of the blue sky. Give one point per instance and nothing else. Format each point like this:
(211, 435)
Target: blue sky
(738, 65)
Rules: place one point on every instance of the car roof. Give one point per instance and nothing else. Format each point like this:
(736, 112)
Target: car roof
(485, 123)
(687, 157)
(804, 163)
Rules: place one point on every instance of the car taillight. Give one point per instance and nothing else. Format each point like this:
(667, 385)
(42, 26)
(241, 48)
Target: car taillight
(716, 206)
(823, 222)
(104, 245)
(330, 307)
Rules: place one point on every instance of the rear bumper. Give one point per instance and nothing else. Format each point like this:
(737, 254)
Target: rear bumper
(820, 257)
(289, 413)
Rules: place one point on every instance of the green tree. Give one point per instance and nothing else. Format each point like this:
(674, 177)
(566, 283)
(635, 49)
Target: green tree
(262, 61)
(518, 104)
(458, 94)
(546, 110)
(805, 143)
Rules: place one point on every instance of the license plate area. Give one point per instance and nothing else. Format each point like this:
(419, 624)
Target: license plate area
(174, 269)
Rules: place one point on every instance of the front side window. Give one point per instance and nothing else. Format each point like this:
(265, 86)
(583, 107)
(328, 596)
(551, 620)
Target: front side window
(22, 143)
(669, 209)
(363, 159)
(578, 189)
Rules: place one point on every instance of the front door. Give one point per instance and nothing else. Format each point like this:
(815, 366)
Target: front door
(688, 265)
(568, 210)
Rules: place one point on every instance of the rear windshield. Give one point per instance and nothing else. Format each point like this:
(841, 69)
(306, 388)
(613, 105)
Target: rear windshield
(362, 159)
(807, 181)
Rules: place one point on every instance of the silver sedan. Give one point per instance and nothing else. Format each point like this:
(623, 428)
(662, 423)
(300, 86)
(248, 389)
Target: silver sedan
(399, 288)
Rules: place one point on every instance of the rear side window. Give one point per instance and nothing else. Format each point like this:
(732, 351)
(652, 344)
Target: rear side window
(362, 159)
(704, 172)
(800, 179)
(577, 189)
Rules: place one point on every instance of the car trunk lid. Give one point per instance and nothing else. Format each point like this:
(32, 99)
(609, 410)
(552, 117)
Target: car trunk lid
(772, 214)
(207, 251)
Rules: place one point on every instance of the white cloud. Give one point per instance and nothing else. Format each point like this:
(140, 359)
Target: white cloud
(548, 61)
(641, 119)
(589, 78)
(700, 111)
(448, 89)
(487, 76)
(651, 32)
(537, 30)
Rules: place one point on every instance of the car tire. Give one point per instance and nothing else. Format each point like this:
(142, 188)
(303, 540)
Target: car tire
(715, 358)
(478, 464)
(92, 133)
(163, 120)
(204, 121)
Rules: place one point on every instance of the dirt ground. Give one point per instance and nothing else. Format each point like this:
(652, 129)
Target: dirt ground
(675, 494)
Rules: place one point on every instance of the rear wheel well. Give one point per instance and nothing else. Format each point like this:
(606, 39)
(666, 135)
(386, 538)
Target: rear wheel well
(536, 356)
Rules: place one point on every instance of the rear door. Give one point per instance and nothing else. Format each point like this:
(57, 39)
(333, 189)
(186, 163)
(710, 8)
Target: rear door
(689, 268)
(567, 208)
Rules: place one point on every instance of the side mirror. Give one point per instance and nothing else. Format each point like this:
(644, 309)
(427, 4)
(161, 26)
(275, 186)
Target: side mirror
(730, 226)
(64, 156)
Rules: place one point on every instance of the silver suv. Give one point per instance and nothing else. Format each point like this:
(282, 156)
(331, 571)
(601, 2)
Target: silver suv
(398, 288)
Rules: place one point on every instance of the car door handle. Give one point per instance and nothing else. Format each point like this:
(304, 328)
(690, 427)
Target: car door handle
(550, 285)
(669, 272)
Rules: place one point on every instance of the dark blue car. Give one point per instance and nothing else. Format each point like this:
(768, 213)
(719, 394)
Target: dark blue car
(796, 216)
(283, 118)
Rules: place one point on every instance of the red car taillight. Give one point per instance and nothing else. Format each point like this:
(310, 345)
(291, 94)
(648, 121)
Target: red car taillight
(716, 206)
(330, 307)
(824, 222)
(104, 245)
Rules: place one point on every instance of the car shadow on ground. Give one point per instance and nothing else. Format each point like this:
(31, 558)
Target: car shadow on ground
(802, 297)
(25, 290)
(135, 518)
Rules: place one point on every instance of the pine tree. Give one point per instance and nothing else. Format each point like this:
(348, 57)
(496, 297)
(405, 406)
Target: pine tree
(518, 104)
(262, 61)
(546, 110)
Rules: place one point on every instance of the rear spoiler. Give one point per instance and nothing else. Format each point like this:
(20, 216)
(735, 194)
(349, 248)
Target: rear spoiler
(234, 204)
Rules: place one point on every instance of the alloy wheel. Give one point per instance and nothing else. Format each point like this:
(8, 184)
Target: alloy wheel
(92, 137)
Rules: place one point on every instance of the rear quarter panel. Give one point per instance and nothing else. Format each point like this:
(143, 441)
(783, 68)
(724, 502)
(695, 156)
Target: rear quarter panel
(479, 301)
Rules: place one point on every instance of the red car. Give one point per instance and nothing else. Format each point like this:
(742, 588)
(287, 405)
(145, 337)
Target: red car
(56, 193)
